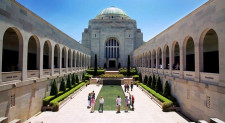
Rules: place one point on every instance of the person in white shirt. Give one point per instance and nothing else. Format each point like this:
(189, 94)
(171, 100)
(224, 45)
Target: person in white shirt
(101, 102)
(118, 103)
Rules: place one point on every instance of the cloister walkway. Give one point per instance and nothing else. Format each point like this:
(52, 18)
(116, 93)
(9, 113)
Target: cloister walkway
(146, 111)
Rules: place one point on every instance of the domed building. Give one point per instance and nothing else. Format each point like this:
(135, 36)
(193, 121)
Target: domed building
(112, 35)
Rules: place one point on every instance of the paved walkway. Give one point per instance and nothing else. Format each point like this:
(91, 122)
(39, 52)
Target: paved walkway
(146, 111)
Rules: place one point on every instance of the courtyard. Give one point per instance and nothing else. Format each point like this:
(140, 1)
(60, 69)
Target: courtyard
(75, 110)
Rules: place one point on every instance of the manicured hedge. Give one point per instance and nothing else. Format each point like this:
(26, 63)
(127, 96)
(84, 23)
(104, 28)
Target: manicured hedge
(136, 77)
(99, 72)
(166, 102)
(124, 71)
(55, 103)
(47, 100)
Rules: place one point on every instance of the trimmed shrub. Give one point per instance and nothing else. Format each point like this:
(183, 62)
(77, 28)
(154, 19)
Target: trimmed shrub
(166, 90)
(158, 85)
(54, 88)
(62, 85)
(153, 82)
(119, 65)
(77, 80)
(47, 100)
(140, 77)
(135, 77)
(73, 80)
(145, 79)
(166, 102)
(124, 71)
(99, 72)
(68, 83)
(149, 81)
(55, 103)
(128, 65)
(96, 62)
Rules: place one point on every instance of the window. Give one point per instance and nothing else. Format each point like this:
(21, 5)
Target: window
(112, 48)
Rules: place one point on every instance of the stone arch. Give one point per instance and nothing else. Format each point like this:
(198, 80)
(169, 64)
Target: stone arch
(175, 55)
(69, 58)
(209, 49)
(56, 56)
(166, 57)
(74, 58)
(47, 55)
(112, 45)
(78, 60)
(33, 53)
(150, 60)
(154, 58)
(64, 57)
(189, 54)
(12, 50)
(159, 58)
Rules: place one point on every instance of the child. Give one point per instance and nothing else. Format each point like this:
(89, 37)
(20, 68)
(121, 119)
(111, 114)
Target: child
(92, 104)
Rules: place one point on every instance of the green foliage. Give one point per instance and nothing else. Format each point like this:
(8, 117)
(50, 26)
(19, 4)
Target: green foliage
(77, 80)
(158, 85)
(128, 65)
(119, 65)
(140, 77)
(68, 83)
(124, 71)
(135, 77)
(166, 90)
(83, 76)
(87, 76)
(62, 85)
(145, 79)
(153, 82)
(166, 102)
(111, 76)
(149, 81)
(95, 70)
(54, 88)
(47, 100)
(99, 72)
(55, 103)
(73, 79)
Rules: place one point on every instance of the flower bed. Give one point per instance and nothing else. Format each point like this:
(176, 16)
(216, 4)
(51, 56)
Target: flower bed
(111, 76)
(166, 103)
(55, 103)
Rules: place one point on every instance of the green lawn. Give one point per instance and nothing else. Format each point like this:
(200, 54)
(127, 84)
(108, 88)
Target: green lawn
(110, 93)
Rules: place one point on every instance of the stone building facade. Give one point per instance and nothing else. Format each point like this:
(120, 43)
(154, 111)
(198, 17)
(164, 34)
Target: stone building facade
(190, 56)
(32, 54)
(112, 35)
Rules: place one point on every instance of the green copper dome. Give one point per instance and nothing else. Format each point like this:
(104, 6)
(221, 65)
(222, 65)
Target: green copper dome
(112, 11)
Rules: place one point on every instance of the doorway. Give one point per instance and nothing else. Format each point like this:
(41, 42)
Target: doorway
(112, 63)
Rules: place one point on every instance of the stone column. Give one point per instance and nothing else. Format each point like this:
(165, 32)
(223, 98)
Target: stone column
(40, 58)
(60, 59)
(66, 60)
(71, 60)
(23, 54)
(198, 60)
(51, 59)
(1, 54)
(181, 62)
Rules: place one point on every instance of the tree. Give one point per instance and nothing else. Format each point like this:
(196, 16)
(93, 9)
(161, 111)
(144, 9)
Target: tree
(83, 77)
(140, 77)
(95, 69)
(54, 88)
(62, 85)
(166, 90)
(149, 81)
(68, 84)
(119, 65)
(77, 79)
(128, 65)
(73, 80)
(145, 79)
(153, 82)
(158, 86)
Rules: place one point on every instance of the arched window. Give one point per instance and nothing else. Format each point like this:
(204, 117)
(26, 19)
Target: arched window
(64, 57)
(176, 56)
(210, 51)
(56, 56)
(78, 60)
(33, 53)
(69, 58)
(159, 59)
(189, 55)
(74, 58)
(12, 50)
(112, 48)
(166, 57)
(154, 58)
(46, 55)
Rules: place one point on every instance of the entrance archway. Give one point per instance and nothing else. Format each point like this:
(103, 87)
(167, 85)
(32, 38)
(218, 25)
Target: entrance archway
(112, 52)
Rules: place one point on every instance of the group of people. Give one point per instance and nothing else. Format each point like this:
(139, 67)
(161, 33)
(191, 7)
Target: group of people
(128, 102)
(91, 101)
(127, 86)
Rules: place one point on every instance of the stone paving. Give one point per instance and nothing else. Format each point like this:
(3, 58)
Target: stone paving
(146, 111)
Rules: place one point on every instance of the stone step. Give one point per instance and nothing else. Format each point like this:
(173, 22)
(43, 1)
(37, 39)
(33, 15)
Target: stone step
(112, 72)
(216, 120)
(3, 119)
(202, 121)
(16, 121)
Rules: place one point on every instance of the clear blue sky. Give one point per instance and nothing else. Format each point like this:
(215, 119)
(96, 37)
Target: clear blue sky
(72, 16)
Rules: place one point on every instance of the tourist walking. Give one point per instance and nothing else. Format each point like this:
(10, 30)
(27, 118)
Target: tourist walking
(127, 87)
(131, 86)
(92, 104)
(101, 102)
(89, 100)
(132, 102)
(126, 104)
(118, 103)
(93, 94)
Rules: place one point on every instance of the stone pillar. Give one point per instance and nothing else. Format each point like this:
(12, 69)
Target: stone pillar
(1, 54)
(40, 58)
(71, 61)
(23, 55)
(60, 59)
(181, 62)
(163, 58)
(198, 60)
(51, 59)
(66, 60)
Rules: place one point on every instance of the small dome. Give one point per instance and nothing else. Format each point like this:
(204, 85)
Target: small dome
(112, 11)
